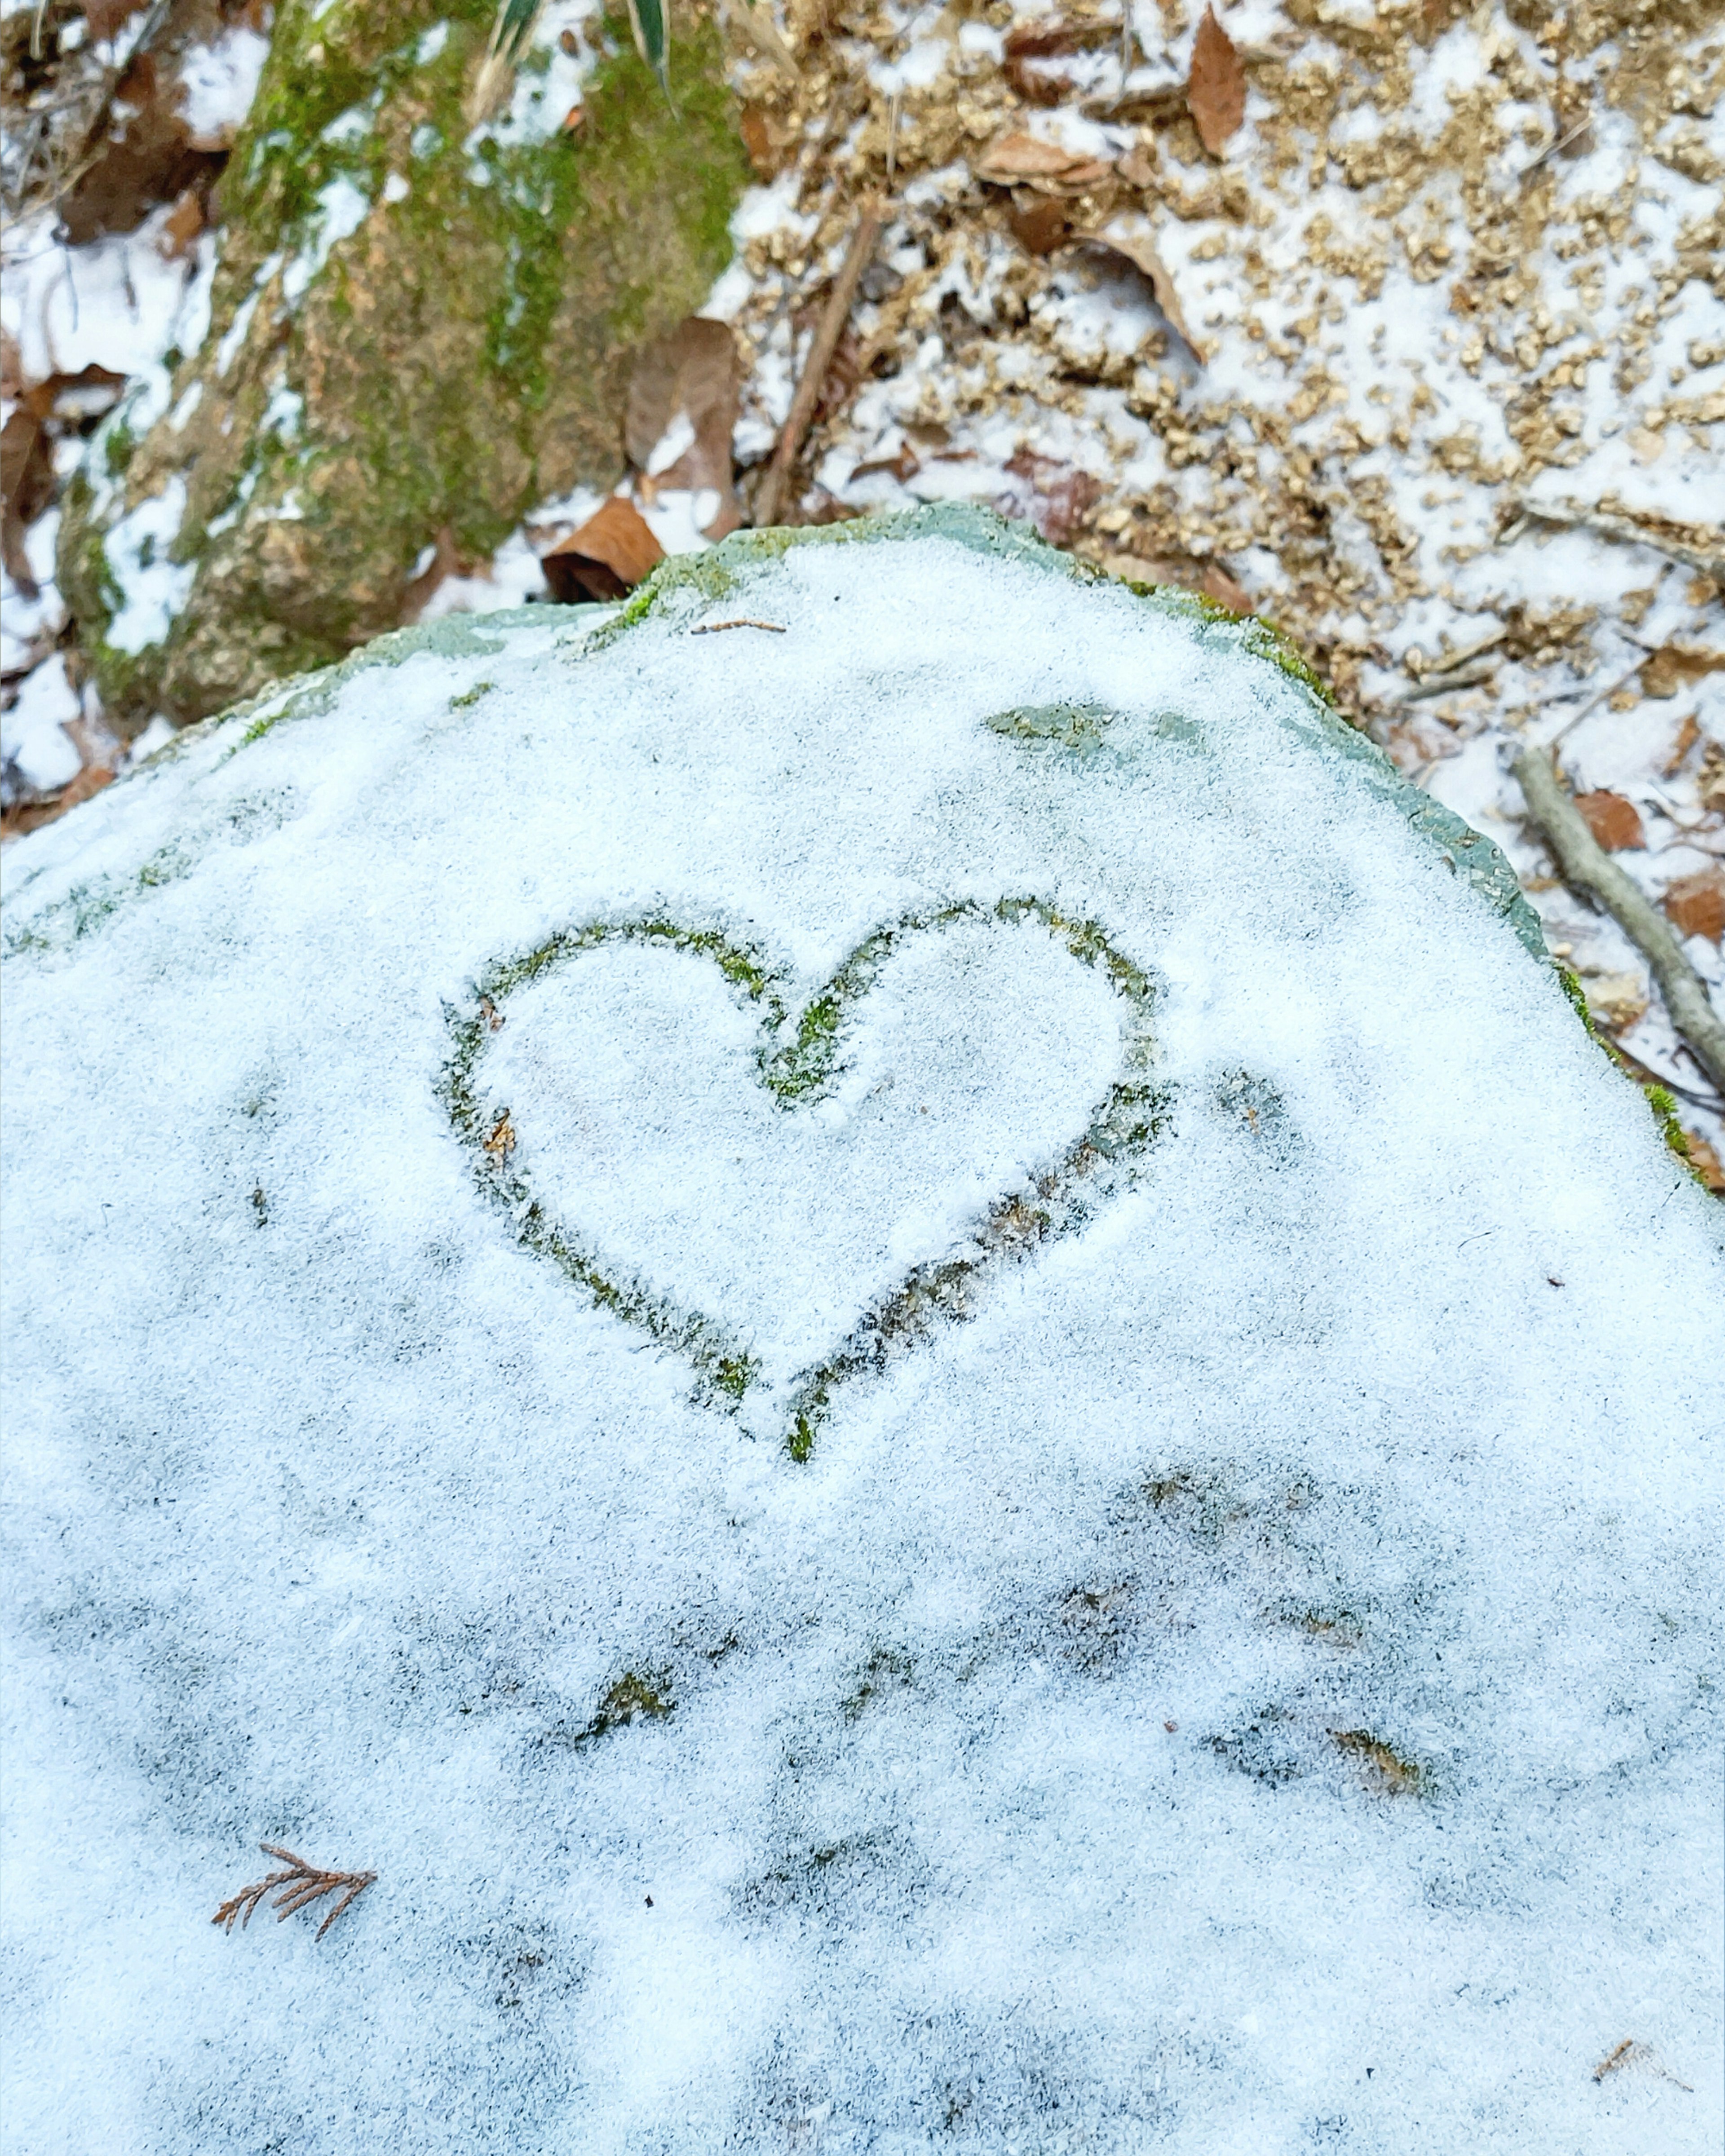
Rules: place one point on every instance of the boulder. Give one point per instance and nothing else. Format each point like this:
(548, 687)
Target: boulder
(419, 328)
(896, 1337)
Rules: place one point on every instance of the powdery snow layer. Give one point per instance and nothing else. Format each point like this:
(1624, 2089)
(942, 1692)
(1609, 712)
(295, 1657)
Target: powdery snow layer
(1249, 1684)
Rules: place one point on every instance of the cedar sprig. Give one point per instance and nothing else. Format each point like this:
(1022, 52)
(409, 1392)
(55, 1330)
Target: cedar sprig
(300, 1884)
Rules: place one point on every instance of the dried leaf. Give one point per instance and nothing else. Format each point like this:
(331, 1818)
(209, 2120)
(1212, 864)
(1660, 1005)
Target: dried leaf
(1688, 735)
(1695, 904)
(1054, 496)
(26, 487)
(182, 226)
(1040, 225)
(1043, 40)
(31, 815)
(1025, 157)
(1189, 574)
(756, 131)
(1614, 822)
(150, 159)
(1129, 238)
(693, 374)
(1673, 667)
(1711, 782)
(1215, 90)
(1616, 1000)
(1705, 1160)
(605, 559)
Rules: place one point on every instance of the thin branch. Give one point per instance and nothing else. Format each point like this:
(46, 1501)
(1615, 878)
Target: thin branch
(301, 1884)
(1696, 546)
(1588, 868)
(770, 505)
(742, 621)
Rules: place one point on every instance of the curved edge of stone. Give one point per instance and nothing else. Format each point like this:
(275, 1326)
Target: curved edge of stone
(1469, 853)
(716, 573)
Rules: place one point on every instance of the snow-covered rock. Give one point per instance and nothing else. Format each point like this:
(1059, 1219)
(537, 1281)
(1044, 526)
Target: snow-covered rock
(913, 1358)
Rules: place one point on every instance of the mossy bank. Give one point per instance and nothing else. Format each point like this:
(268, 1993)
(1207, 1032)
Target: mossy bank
(417, 329)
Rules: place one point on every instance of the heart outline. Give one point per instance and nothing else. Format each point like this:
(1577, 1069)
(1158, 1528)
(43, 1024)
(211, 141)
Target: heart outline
(1055, 1201)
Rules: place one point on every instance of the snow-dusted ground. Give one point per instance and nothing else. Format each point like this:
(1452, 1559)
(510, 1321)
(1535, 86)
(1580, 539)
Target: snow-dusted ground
(1252, 1686)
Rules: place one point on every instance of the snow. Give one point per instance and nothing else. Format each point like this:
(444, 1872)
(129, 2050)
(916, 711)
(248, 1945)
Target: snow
(153, 586)
(1018, 1787)
(33, 732)
(219, 82)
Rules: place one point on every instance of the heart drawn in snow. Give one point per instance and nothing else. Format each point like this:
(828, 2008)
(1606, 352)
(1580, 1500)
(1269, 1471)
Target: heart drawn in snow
(788, 1198)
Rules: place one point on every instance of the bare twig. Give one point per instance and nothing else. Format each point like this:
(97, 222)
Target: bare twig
(1445, 684)
(1696, 546)
(1593, 702)
(1552, 148)
(300, 1884)
(1587, 868)
(742, 621)
(770, 503)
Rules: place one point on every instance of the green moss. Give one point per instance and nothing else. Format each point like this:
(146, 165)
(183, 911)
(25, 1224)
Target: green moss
(1576, 995)
(1388, 1772)
(1126, 1123)
(633, 1698)
(472, 696)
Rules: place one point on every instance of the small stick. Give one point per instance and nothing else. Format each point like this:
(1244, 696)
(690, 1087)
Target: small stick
(742, 621)
(863, 241)
(1594, 702)
(1587, 868)
(1553, 147)
(1619, 2057)
(1708, 556)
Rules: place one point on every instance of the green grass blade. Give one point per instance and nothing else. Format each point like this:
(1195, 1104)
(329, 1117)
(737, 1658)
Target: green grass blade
(648, 20)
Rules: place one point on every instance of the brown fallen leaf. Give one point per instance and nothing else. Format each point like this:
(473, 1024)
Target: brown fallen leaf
(1688, 735)
(1215, 90)
(693, 374)
(182, 226)
(445, 561)
(1026, 158)
(146, 158)
(1129, 239)
(31, 815)
(1711, 782)
(1618, 1001)
(26, 487)
(1705, 1160)
(764, 154)
(1054, 496)
(1674, 666)
(1040, 226)
(605, 559)
(1042, 40)
(1615, 821)
(905, 466)
(502, 1143)
(1189, 574)
(1695, 904)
